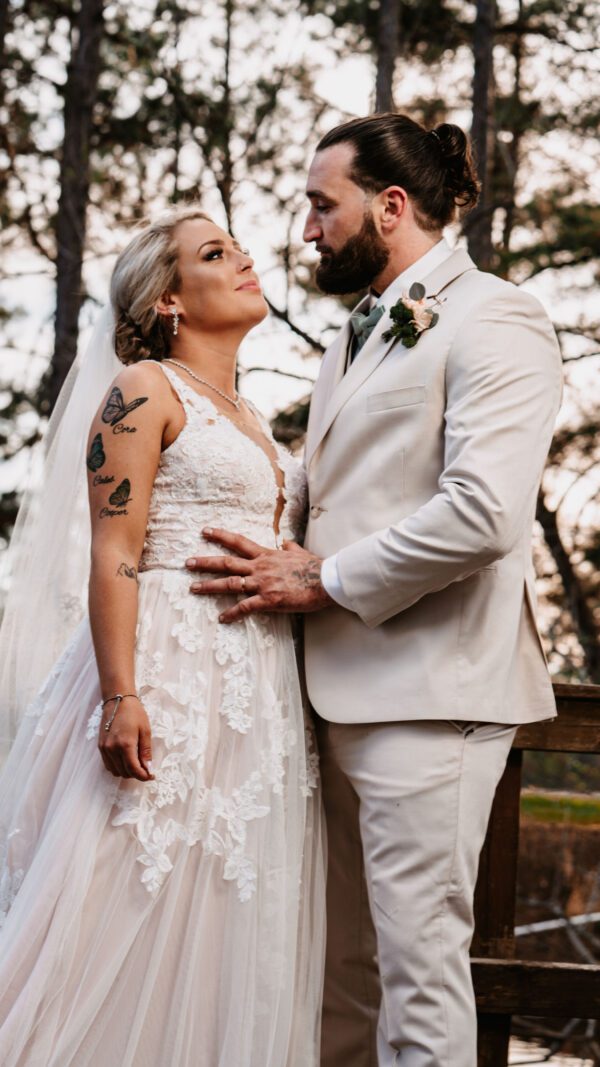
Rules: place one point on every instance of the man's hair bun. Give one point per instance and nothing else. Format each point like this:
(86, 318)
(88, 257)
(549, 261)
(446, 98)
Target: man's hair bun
(461, 176)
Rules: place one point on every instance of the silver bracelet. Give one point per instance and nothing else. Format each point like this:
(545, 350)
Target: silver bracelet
(118, 697)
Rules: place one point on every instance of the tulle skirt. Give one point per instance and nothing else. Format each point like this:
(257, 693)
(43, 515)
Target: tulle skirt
(177, 923)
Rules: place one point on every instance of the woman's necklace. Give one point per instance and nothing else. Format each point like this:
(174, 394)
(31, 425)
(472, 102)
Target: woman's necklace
(235, 400)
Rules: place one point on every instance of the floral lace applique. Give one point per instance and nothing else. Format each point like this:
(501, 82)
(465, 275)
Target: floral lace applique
(38, 706)
(93, 723)
(215, 475)
(221, 823)
(230, 646)
(309, 780)
(10, 880)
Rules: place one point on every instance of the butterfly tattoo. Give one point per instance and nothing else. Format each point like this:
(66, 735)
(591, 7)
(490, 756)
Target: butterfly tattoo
(116, 409)
(120, 496)
(96, 457)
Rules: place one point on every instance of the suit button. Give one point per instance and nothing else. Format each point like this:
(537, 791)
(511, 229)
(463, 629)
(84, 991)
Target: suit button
(315, 511)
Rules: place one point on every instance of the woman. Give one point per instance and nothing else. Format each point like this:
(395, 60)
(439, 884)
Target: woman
(163, 904)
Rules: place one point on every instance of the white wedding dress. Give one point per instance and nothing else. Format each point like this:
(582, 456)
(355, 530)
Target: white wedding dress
(175, 923)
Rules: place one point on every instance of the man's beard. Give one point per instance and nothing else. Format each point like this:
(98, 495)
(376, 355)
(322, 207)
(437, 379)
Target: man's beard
(359, 261)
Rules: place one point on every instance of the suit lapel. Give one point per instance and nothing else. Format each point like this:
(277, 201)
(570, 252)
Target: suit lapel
(448, 271)
(331, 374)
(339, 387)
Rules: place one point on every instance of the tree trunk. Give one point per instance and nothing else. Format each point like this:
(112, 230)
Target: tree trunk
(511, 153)
(225, 180)
(479, 223)
(176, 82)
(4, 11)
(388, 28)
(581, 613)
(80, 96)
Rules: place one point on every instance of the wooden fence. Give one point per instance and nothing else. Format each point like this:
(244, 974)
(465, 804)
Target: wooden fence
(504, 985)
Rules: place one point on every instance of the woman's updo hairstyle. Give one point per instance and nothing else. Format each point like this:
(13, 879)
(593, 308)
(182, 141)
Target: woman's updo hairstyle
(145, 269)
(435, 167)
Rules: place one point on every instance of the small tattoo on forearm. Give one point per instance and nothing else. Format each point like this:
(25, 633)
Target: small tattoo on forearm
(96, 457)
(121, 495)
(116, 409)
(103, 480)
(124, 429)
(109, 513)
(127, 572)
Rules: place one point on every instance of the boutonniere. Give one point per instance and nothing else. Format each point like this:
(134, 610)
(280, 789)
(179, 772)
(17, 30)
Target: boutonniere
(410, 317)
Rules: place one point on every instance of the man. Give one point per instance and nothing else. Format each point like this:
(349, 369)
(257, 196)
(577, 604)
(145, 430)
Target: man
(429, 427)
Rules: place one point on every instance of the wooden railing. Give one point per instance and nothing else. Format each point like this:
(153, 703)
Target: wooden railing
(505, 985)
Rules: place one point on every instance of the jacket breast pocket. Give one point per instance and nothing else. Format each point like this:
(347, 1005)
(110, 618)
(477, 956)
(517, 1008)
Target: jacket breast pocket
(396, 398)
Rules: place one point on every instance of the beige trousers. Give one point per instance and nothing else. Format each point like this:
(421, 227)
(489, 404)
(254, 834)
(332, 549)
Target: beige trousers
(407, 807)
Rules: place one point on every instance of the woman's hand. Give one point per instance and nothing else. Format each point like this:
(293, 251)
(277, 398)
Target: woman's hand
(126, 747)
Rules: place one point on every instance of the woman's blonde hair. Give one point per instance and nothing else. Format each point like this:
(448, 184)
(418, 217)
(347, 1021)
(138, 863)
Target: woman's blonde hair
(145, 269)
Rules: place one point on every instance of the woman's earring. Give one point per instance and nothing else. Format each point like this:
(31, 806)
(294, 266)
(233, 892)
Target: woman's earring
(175, 315)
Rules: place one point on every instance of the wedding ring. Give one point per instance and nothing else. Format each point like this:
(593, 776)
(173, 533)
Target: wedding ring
(242, 585)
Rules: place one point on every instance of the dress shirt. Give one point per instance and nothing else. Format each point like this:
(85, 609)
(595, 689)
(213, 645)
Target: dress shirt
(423, 266)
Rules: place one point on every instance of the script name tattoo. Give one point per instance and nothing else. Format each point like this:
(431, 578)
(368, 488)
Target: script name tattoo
(111, 513)
(96, 457)
(103, 480)
(115, 409)
(124, 429)
(127, 572)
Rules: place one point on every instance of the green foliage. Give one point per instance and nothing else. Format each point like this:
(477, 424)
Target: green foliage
(561, 770)
(583, 811)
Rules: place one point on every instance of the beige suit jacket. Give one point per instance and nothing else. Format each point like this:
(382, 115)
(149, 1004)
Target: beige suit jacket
(423, 467)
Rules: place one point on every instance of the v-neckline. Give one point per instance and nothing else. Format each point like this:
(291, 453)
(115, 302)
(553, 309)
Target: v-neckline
(273, 462)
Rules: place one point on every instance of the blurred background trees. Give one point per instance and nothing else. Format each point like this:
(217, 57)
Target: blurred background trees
(110, 110)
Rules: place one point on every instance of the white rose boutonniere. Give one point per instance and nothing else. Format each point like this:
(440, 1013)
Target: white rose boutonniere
(411, 317)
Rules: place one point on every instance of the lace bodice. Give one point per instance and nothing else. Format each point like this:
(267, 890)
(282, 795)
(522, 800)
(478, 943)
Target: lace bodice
(216, 475)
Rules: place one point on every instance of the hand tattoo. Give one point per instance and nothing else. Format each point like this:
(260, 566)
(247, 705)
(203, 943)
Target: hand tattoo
(116, 409)
(96, 457)
(310, 575)
(127, 572)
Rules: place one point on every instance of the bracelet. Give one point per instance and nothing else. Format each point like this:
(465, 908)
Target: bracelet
(118, 697)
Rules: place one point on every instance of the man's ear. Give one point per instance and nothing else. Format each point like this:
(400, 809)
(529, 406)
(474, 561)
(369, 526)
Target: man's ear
(391, 207)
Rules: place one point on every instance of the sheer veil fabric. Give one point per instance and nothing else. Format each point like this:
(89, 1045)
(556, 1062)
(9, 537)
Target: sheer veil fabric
(48, 557)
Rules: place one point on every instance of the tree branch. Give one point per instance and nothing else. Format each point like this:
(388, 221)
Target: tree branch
(284, 317)
(583, 618)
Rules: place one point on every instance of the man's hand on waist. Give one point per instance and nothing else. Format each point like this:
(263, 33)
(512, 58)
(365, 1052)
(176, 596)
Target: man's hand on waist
(270, 580)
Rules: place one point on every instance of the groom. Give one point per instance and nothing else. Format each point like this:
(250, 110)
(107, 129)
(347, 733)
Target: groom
(429, 428)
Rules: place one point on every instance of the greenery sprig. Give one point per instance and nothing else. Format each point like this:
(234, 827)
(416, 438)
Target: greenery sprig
(410, 317)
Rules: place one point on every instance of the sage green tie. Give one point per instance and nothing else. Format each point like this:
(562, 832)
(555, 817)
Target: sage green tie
(363, 326)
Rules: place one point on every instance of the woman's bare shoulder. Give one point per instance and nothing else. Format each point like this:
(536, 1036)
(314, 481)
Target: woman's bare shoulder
(147, 374)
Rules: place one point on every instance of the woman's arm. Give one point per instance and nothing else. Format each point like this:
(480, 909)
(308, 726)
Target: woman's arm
(123, 454)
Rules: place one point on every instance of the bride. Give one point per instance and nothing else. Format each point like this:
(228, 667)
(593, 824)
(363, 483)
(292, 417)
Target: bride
(161, 874)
